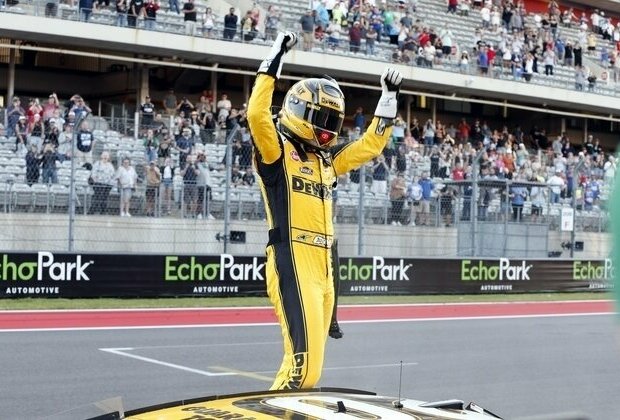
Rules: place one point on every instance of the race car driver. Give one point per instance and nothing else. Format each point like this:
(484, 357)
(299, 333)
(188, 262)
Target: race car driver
(298, 161)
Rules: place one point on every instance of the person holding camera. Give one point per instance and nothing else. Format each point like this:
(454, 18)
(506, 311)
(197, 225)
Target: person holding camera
(185, 107)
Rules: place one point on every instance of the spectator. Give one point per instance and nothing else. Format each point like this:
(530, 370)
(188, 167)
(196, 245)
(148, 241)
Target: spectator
(33, 161)
(307, 22)
(101, 181)
(84, 144)
(14, 112)
(425, 203)
(174, 5)
(380, 174)
(203, 184)
(272, 22)
(190, 173)
(48, 165)
(428, 132)
(446, 198)
(51, 8)
(464, 63)
(483, 60)
(537, 197)
(135, 11)
(52, 134)
(167, 172)
(208, 23)
(321, 14)
(249, 177)
(79, 107)
(147, 109)
(36, 129)
(248, 27)
(414, 198)
(185, 107)
(591, 43)
(151, 145)
(464, 7)
(398, 130)
(127, 178)
(121, 13)
(21, 136)
(528, 67)
(580, 78)
(359, 119)
(557, 185)
(371, 38)
(52, 105)
(452, 6)
(184, 145)
(355, 37)
(398, 195)
(150, 14)
(333, 34)
(189, 17)
(153, 181)
(518, 195)
(224, 106)
(170, 102)
(577, 55)
(230, 24)
(85, 9)
(549, 61)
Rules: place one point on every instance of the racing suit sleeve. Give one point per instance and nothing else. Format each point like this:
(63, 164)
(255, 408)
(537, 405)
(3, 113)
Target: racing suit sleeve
(259, 119)
(354, 154)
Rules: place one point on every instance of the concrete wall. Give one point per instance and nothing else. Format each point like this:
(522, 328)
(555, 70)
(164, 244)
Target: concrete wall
(35, 232)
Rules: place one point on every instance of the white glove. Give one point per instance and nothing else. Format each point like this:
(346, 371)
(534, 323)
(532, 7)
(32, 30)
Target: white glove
(390, 85)
(272, 65)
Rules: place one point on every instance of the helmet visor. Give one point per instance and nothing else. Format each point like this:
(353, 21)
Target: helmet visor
(326, 121)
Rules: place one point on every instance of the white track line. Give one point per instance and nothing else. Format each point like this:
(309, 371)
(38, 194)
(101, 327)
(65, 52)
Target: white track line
(150, 327)
(243, 308)
(123, 352)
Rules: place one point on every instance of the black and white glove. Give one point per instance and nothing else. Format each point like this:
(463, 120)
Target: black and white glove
(272, 65)
(390, 85)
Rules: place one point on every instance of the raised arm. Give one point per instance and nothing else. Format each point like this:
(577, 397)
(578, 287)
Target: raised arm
(259, 106)
(353, 155)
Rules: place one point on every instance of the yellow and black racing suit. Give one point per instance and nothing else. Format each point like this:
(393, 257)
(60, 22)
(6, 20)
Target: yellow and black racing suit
(297, 185)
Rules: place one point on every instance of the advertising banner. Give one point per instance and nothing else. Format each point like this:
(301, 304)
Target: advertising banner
(47, 274)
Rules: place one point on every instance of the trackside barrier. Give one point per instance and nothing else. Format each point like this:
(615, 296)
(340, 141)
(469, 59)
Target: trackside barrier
(47, 274)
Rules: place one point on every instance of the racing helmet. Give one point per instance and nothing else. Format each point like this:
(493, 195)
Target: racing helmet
(313, 112)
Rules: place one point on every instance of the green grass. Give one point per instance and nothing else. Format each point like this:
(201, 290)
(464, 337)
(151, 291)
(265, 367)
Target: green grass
(197, 302)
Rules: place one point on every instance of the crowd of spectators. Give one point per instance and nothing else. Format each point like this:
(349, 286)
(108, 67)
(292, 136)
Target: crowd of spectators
(430, 167)
(419, 172)
(508, 41)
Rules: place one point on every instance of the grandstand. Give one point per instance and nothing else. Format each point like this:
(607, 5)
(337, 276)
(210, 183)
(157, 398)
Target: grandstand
(426, 94)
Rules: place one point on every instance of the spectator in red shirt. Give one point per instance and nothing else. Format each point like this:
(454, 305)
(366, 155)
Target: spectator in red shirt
(463, 130)
(458, 173)
(355, 37)
(51, 106)
(424, 37)
(34, 107)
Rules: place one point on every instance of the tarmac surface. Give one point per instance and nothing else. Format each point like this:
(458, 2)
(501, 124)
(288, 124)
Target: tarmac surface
(516, 366)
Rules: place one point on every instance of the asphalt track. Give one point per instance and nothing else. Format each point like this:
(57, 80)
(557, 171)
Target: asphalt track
(516, 359)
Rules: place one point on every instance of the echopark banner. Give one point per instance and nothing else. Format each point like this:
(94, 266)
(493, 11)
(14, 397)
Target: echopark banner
(47, 274)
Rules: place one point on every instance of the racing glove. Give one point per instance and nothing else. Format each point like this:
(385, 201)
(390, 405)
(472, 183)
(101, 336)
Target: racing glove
(272, 65)
(390, 85)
